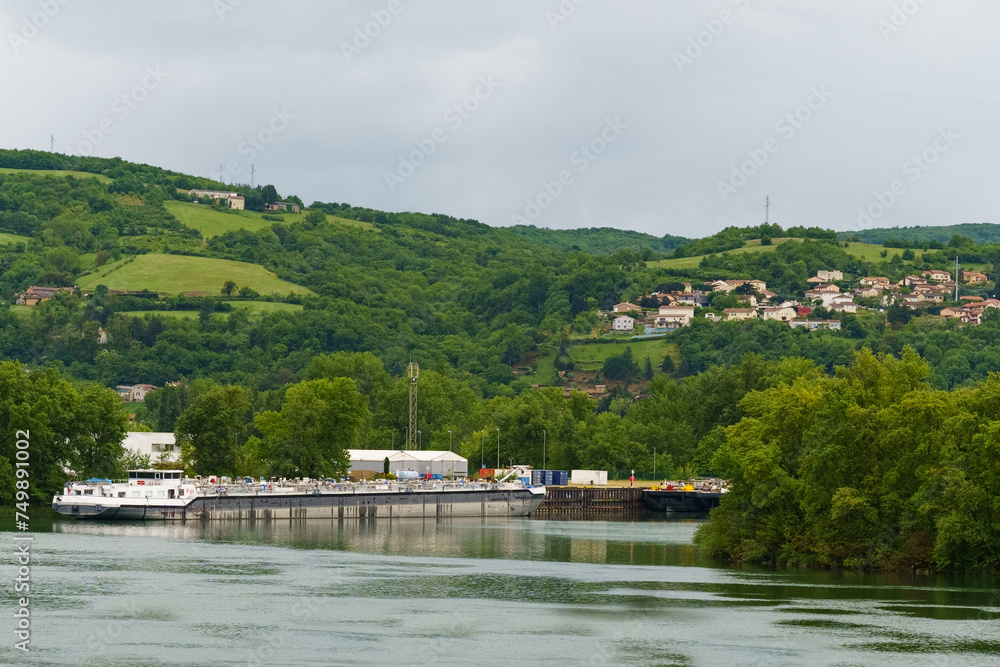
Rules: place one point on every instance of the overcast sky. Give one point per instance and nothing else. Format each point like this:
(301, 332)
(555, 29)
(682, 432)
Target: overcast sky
(664, 117)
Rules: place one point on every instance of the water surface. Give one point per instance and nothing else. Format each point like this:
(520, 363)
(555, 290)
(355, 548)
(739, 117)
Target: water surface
(469, 591)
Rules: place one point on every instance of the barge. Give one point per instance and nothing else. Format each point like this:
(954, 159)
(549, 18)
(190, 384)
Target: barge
(166, 495)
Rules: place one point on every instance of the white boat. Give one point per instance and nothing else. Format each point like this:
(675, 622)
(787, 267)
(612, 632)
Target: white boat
(168, 495)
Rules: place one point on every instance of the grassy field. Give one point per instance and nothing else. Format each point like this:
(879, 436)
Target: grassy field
(252, 308)
(12, 238)
(693, 262)
(592, 357)
(21, 311)
(57, 173)
(864, 251)
(213, 223)
(174, 274)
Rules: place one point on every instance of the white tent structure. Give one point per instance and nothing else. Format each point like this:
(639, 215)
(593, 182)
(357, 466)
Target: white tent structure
(437, 463)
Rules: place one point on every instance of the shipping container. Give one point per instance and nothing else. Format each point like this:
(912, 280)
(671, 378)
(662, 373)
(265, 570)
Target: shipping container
(589, 477)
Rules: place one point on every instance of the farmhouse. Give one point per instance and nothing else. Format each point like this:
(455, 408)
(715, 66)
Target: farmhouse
(623, 323)
(284, 206)
(232, 199)
(135, 393)
(875, 280)
(974, 277)
(34, 295)
(740, 314)
(675, 316)
(826, 277)
(780, 314)
(625, 307)
(938, 275)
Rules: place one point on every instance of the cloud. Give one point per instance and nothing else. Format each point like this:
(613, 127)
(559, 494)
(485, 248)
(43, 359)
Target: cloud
(561, 79)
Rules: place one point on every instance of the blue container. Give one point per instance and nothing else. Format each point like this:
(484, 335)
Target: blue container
(437, 476)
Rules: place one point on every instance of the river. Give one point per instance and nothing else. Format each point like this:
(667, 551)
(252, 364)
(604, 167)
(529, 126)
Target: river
(460, 592)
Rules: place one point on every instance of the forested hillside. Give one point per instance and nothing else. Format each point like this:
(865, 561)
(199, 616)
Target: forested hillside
(916, 237)
(601, 240)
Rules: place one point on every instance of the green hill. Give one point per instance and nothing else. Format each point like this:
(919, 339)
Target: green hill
(599, 240)
(176, 274)
(57, 173)
(979, 232)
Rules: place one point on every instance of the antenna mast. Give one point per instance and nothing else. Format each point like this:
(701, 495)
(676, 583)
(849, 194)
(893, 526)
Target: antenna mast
(767, 210)
(52, 143)
(412, 372)
(253, 172)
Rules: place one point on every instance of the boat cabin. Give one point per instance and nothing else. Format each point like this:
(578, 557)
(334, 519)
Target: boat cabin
(153, 484)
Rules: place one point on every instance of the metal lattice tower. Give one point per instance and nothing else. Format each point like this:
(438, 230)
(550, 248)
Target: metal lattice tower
(413, 372)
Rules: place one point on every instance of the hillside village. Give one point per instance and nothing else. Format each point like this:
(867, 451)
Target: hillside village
(829, 295)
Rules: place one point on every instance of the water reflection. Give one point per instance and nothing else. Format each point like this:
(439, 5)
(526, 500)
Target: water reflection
(500, 591)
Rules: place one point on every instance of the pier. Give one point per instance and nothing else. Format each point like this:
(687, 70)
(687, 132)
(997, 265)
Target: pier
(590, 502)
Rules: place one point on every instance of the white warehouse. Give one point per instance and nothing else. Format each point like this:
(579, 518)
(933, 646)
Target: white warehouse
(436, 462)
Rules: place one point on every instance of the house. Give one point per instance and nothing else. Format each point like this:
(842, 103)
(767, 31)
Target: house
(135, 393)
(814, 325)
(740, 314)
(938, 275)
(874, 280)
(974, 277)
(693, 299)
(826, 277)
(954, 312)
(728, 286)
(866, 292)
(623, 323)
(34, 295)
(675, 316)
(626, 307)
(826, 288)
(748, 299)
(844, 307)
(804, 311)
(971, 298)
(911, 280)
(232, 199)
(284, 206)
(779, 314)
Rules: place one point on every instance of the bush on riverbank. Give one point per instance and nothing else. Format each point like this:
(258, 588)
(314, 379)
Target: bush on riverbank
(870, 468)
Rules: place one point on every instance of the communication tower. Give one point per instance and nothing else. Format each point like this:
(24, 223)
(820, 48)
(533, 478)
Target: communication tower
(413, 372)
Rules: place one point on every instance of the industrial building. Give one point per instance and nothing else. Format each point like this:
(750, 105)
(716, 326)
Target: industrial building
(443, 463)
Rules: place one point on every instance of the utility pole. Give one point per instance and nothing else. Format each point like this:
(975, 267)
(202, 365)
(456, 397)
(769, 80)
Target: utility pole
(413, 372)
(956, 276)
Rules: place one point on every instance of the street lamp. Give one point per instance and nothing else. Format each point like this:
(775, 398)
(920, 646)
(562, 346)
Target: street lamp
(498, 448)
(543, 449)
(482, 439)
(449, 441)
(420, 440)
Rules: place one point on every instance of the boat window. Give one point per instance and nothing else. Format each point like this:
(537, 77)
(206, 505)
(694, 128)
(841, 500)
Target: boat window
(135, 494)
(159, 494)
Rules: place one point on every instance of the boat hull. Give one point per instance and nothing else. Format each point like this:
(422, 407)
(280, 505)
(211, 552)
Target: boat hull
(693, 502)
(269, 507)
